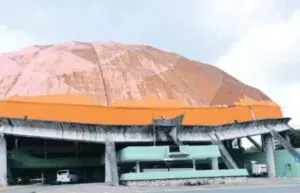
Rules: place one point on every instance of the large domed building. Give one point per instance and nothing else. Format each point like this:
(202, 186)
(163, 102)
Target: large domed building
(107, 96)
(120, 74)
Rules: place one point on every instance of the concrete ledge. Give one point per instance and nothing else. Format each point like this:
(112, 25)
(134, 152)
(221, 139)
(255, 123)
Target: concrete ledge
(186, 182)
(188, 174)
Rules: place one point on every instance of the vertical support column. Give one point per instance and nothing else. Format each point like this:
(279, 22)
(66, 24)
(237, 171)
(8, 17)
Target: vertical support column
(229, 145)
(268, 144)
(42, 176)
(111, 167)
(214, 163)
(239, 143)
(154, 134)
(76, 146)
(3, 161)
(138, 169)
(194, 164)
(45, 149)
(16, 143)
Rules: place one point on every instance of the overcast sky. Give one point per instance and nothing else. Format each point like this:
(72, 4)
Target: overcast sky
(257, 41)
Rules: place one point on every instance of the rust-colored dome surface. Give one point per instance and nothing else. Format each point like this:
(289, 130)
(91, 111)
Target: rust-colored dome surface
(113, 83)
(122, 75)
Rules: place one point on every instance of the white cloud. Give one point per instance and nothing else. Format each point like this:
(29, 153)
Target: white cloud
(268, 58)
(291, 103)
(14, 39)
(233, 18)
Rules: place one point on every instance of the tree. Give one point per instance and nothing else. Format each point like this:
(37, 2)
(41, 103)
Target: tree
(294, 137)
(252, 149)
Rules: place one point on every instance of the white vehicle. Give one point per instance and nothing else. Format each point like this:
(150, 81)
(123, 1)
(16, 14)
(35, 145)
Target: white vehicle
(259, 169)
(67, 176)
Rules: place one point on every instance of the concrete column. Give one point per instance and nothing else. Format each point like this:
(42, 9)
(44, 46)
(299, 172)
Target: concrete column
(138, 169)
(3, 161)
(42, 176)
(111, 167)
(214, 163)
(239, 143)
(270, 154)
(228, 144)
(76, 146)
(16, 143)
(45, 149)
(194, 164)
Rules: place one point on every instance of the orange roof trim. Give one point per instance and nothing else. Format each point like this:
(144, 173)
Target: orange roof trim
(82, 109)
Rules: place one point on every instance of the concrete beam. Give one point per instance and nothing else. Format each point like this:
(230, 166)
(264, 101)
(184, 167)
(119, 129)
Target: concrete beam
(99, 133)
(3, 161)
(287, 137)
(254, 143)
(268, 145)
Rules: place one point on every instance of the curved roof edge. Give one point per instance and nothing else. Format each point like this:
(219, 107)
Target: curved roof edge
(146, 103)
(134, 116)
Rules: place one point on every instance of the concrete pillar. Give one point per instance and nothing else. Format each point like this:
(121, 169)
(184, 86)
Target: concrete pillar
(111, 167)
(77, 150)
(268, 144)
(194, 164)
(45, 149)
(214, 163)
(16, 143)
(239, 143)
(229, 145)
(3, 162)
(138, 169)
(42, 176)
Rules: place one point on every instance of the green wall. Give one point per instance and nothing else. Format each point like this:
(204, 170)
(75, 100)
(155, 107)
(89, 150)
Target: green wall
(282, 157)
(160, 153)
(18, 159)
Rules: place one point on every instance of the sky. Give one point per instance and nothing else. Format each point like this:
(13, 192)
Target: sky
(256, 41)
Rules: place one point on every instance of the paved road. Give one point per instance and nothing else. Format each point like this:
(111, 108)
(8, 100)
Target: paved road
(29, 189)
(269, 189)
(100, 188)
(72, 188)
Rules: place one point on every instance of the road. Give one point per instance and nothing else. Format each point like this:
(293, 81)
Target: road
(268, 189)
(72, 188)
(100, 188)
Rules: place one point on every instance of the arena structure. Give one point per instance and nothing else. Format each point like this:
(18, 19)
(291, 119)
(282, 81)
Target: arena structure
(130, 114)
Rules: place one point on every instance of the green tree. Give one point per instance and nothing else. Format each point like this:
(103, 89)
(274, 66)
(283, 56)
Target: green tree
(251, 149)
(294, 137)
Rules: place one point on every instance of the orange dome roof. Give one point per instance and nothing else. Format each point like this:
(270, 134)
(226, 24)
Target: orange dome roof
(119, 76)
